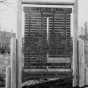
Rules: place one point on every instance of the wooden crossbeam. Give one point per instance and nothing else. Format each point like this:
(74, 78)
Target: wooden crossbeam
(48, 3)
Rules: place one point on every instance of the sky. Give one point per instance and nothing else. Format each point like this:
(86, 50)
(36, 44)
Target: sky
(8, 13)
(83, 11)
(8, 16)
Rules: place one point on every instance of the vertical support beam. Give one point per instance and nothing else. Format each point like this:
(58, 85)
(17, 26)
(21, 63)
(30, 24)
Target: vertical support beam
(8, 77)
(47, 34)
(75, 50)
(47, 28)
(13, 62)
(81, 64)
(81, 61)
(19, 43)
(86, 53)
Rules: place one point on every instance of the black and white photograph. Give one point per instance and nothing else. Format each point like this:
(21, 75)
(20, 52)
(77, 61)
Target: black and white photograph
(43, 43)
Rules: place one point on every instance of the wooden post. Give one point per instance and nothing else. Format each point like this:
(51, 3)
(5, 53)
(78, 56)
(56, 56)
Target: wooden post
(75, 53)
(86, 54)
(8, 77)
(81, 61)
(11, 68)
(19, 43)
(13, 63)
(84, 64)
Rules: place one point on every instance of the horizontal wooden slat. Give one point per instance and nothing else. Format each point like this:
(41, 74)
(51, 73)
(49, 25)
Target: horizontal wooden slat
(36, 34)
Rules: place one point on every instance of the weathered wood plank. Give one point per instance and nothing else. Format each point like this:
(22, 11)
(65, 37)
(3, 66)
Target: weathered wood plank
(13, 63)
(81, 63)
(19, 43)
(75, 49)
(8, 77)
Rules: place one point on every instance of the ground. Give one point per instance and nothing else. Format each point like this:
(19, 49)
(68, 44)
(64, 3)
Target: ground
(62, 83)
